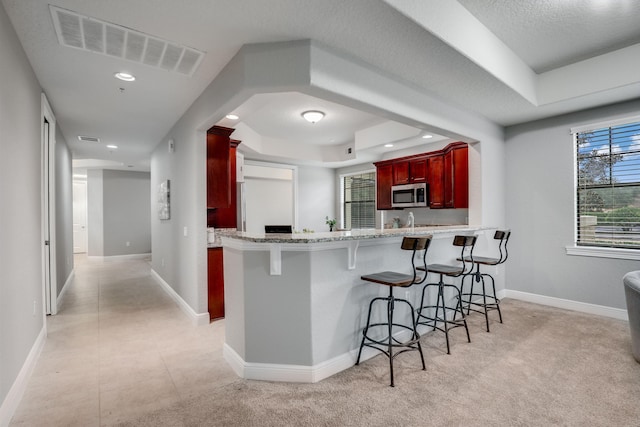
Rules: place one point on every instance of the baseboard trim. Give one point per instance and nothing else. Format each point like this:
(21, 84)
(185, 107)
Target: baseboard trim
(297, 373)
(601, 310)
(16, 392)
(198, 319)
(118, 257)
(66, 286)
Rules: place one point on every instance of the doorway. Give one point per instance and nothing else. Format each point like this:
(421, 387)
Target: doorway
(79, 216)
(48, 133)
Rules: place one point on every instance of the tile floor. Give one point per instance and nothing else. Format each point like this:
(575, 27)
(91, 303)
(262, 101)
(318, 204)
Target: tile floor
(119, 347)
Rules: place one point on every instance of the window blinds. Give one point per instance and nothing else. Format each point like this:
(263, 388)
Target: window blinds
(360, 200)
(608, 186)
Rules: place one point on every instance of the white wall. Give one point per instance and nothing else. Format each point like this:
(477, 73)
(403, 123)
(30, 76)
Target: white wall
(95, 210)
(316, 197)
(119, 209)
(64, 211)
(20, 210)
(540, 212)
(126, 213)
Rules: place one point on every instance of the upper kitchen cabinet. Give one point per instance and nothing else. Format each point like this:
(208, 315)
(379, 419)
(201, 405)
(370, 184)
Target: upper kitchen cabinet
(449, 177)
(446, 172)
(218, 167)
(436, 182)
(410, 171)
(384, 181)
(456, 176)
(221, 178)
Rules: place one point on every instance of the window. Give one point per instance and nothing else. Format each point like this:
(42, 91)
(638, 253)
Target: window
(608, 185)
(359, 200)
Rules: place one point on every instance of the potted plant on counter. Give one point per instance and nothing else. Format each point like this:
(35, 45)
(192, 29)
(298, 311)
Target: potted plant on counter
(330, 222)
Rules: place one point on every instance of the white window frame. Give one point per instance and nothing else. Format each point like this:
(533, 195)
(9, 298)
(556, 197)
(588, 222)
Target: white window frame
(596, 251)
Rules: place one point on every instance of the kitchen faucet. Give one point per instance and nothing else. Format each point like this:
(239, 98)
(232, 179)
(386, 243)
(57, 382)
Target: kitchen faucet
(412, 220)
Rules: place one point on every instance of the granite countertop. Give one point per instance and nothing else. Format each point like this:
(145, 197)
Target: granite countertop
(343, 235)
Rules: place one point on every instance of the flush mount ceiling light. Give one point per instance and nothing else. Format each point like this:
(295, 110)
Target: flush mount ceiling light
(427, 136)
(388, 145)
(111, 146)
(232, 116)
(313, 116)
(125, 77)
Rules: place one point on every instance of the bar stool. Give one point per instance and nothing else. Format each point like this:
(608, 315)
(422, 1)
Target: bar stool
(393, 279)
(466, 243)
(502, 236)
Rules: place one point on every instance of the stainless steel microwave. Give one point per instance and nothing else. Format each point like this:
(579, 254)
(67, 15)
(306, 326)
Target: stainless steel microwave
(410, 196)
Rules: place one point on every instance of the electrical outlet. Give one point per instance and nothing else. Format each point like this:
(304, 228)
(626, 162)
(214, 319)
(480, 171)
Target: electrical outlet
(128, 243)
(185, 232)
(162, 262)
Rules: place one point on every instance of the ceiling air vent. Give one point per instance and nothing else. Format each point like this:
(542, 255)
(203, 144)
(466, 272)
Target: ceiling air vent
(88, 138)
(93, 35)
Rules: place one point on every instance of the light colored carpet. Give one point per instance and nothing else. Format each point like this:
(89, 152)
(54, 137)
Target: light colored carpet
(542, 367)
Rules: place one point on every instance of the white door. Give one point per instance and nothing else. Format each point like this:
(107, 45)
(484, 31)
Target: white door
(79, 217)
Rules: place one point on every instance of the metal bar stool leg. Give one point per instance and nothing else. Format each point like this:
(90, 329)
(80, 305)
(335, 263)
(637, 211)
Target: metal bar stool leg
(444, 315)
(495, 297)
(390, 307)
(464, 319)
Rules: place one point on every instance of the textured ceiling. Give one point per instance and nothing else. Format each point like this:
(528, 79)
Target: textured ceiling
(87, 99)
(548, 34)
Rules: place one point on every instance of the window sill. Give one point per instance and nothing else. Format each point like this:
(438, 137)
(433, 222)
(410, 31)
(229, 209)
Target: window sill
(593, 251)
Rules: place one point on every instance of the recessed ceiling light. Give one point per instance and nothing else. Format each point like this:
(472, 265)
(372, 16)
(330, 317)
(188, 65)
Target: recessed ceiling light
(125, 76)
(113, 147)
(427, 136)
(313, 116)
(388, 145)
(232, 117)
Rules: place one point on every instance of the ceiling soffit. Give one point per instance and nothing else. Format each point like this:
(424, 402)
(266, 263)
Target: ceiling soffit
(461, 30)
(332, 76)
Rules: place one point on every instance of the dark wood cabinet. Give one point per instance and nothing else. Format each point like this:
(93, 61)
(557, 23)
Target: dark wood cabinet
(221, 178)
(384, 181)
(226, 216)
(215, 283)
(400, 173)
(218, 168)
(410, 171)
(418, 170)
(446, 172)
(436, 181)
(456, 178)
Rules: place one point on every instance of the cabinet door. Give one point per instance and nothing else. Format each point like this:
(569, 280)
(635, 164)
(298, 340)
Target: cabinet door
(401, 172)
(460, 178)
(448, 179)
(218, 191)
(436, 182)
(227, 216)
(418, 170)
(215, 283)
(384, 181)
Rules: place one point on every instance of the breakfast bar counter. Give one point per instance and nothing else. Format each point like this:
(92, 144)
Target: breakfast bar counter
(295, 305)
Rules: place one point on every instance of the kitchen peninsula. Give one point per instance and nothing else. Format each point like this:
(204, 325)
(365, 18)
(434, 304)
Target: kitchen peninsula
(295, 304)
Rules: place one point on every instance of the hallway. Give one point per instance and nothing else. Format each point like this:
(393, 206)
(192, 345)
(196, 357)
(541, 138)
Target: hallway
(118, 348)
